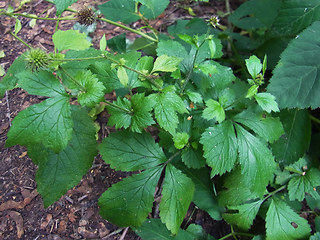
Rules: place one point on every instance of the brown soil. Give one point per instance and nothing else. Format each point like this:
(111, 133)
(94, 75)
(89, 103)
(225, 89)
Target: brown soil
(75, 215)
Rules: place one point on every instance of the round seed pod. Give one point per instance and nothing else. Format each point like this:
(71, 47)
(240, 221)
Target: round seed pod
(37, 59)
(86, 16)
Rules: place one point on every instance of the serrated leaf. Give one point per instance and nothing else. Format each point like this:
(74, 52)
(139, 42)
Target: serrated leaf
(193, 158)
(283, 223)
(316, 236)
(171, 48)
(93, 90)
(128, 203)
(120, 10)
(268, 128)
(167, 104)
(296, 139)
(164, 63)
(118, 43)
(267, 102)
(70, 40)
(220, 147)
(58, 172)
(121, 115)
(177, 194)
(194, 96)
(214, 110)
(154, 229)
(294, 16)
(61, 5)
(40, 83)
(180, 140)
(301, 184)
(152, 8)
(254, 66)
(296, 82)
(128, 151)
(245, 215)
(256, 160)
(48, 123)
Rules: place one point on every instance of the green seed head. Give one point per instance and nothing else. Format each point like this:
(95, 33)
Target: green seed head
(86, 16)
(37, 59)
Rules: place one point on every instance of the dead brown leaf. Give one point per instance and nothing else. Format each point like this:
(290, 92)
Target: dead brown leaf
(19, 222)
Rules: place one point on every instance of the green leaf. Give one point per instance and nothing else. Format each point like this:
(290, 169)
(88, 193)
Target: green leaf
(120, 10)
(267, 102)
(220, 147)
(301, 184)
(316, 236)
(128, 203)
(252, 91)
(152, 8)
(58, 172)
(296, 82)
(70, 39)
(177, 194)
(154, 229)
(256, 160)
(254, 66)
(294, 16)
(180, 140)
(167, 104)
(17, 26)
(194, 96)
(268, 128)
(295, 142)
(193, 158)
(40, 83)
(103, 43)
(10, 80)
(118, 43)
(214, 110)
(283, 223)
(121, 115)
(48, 123)
(61, 5)
(171, 48)
(164, 63)
(93, 90)
(123, 76)
(245, 215)
(128, 151)
(212, 47)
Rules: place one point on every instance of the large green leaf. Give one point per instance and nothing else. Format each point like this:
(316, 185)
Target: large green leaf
(283, 223)
(58, 172)
(301, 184)
(269, 128)
(154, 229)
(245, 215)
(61, 5)
(48, 123)
(152, 8)
(295, 141)
(220, 147)
(128, 151)
(296, 78)
(294, 16)
(40, 83)
(128, 203)
(70, 39)
(256, 160)
(120, 10)
(177, 194)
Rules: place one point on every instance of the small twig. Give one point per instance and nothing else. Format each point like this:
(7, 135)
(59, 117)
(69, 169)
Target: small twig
(8, 107)
(111, 234)
(124, 233)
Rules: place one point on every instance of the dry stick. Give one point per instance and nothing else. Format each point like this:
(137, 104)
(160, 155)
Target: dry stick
(124, 233)
(8, 107)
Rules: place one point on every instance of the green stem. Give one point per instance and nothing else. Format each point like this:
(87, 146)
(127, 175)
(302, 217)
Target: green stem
(172, 157)
(129, 29)
(290, 169)
(22, 41)
(274, 192)
(233, 234)
(72, 79)
(118, 107)
(39, 18)
(316, 120)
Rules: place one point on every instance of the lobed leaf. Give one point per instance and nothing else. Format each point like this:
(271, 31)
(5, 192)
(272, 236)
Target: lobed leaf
(267, 102)
(214, 110)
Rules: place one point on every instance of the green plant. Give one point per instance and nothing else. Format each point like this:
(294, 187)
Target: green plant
(211, 121)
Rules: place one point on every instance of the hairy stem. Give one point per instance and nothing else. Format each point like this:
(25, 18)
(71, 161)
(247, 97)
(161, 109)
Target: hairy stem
(19, 39)
(118, 107)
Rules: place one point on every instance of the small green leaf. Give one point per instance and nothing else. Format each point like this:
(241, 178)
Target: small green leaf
(17, 26)
(33, 23)
(2, 73)
(164, 63)
(254, 66)
(123, 76)
(61, 5)
(154, 229)
(283, 223)
(93, 90)
(70, 39)
(301, 184)
(103, 43)
(193, 158)
(214, 110)
(264, 65)
(177, 195)
(48, 123)
(128, 203)
(220, 147)
(212, 47)
(267, 102)
(252, 91)
(256, 160)
(58, 172)
(121, 115)
(180, 140)
(2, 54)
(316, 236)
(128, 151)
(195, 97)
(245, 215)
(152, 8)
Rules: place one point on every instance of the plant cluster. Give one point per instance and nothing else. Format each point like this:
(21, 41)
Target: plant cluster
(232, 137)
